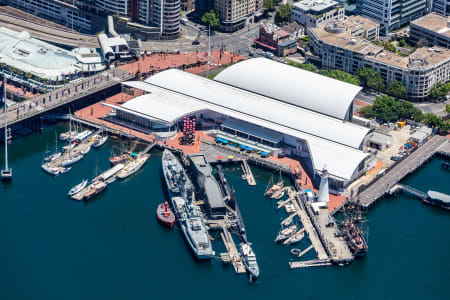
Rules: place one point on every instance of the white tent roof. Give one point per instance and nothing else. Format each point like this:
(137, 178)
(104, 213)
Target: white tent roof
(292, 85)
(267, 109)
(341, 161)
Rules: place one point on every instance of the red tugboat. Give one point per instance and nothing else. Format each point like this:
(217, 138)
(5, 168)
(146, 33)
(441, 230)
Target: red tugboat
(165, 215)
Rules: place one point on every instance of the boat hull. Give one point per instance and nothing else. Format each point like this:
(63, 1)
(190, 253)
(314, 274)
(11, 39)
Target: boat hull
(165, 216)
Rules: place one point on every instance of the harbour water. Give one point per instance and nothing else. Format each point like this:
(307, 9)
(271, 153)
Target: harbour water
(113, 248)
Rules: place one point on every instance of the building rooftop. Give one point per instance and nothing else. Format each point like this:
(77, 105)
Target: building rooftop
(434, 22)
(315, 6)
(422, 58)
(22, 52)
(348, 34)
(178, 94)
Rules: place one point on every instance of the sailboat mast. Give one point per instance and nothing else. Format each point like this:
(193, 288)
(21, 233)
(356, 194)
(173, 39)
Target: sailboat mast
(6, 125)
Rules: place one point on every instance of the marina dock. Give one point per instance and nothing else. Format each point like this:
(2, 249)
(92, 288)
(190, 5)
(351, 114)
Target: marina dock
(309, 227)
(233, 253)
(374, 191)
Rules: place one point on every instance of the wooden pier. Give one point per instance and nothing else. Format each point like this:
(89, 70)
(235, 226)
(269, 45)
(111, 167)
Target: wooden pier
(375, 190)
(233, 253)
(310, 263)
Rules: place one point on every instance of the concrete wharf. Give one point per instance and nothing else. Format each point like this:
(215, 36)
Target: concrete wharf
(247, 173)
(375, 190)
(77, 90)
(305, 251)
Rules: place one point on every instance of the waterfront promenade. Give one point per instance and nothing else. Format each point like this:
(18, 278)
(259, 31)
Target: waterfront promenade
(76, 90)
(408, 165)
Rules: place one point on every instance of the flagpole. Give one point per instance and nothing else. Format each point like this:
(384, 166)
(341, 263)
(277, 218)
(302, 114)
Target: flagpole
(6, 125)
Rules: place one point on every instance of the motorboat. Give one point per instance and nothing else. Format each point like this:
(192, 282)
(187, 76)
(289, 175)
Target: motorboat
(285, 233)
(99, 141)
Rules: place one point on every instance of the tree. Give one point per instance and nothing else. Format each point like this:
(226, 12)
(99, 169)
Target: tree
(397, 89)
(211, 18)
(402, 43)
(269, 4)
(364, 74)
(447, 108)
(366, 111)
(308, 67)
(376, 83)
(387, 109)
(283, 13)
(439, 90)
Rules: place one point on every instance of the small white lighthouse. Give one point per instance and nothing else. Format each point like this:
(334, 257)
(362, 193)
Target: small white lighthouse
(324, 194)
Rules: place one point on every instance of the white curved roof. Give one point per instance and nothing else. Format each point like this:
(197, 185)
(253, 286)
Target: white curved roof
(268, 109)
(292, 85)
(169, 106)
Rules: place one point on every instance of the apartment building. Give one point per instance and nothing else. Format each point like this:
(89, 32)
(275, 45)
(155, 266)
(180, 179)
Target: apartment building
(311, 13)
(347, 45)
(441, 7)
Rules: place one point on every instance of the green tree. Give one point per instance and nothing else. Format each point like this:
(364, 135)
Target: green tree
(308, 67)
(364, 74)
(376, 83)
(397, 89)
(269, 4)
(283, 13)
(343, 76)
(366, 111)
(439, 90)
(211, 18)
(402, 43)
(447, 108)
(387, 109)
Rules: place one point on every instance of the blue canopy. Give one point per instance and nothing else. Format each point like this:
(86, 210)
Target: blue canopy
(264, 153)
(249, 148)
(243, 146)
(218, 139)
(225, 141)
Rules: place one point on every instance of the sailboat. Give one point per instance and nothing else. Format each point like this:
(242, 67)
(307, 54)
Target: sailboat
(56, 154)
(274, 189)
(6, 174)
(72, 158)
(100, 140)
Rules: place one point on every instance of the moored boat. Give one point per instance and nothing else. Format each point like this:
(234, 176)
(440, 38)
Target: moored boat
(50, 170)
(193, 227)
(118, 159)
(295, 238)
(71, 160)
(285, 233)
(65, 136)
(249, 258)
(94, 189)
(99, 141)
(175, 177)
(86, 150)
(165, 215)
(133, 166)
(76, 189)
(52, 157)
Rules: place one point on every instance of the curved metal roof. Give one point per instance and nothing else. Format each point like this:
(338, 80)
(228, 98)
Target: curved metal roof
(169, 106)
(292, 85)
(251, 104)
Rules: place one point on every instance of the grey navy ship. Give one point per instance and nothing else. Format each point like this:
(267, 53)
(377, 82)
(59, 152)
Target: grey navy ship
(189, 216)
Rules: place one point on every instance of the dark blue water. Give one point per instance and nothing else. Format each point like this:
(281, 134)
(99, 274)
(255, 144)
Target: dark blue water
(113, 248)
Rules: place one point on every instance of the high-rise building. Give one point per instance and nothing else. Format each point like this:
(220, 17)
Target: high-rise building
(234, 14)
(391, 14)
(311, 13)
(441, 7)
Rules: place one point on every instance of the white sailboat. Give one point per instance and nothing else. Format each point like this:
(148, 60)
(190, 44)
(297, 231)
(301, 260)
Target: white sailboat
(56, 154)
(6, 174)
